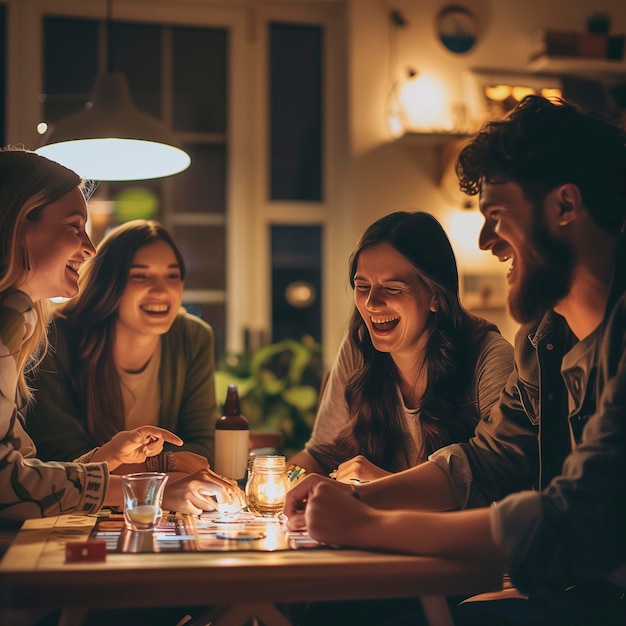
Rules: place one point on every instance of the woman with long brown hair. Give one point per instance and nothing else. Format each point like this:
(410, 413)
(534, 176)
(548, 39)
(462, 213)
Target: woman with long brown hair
(415, 371)
(126, 354)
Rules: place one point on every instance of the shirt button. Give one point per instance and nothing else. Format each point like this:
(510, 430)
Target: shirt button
(549, 346)
(550, 396)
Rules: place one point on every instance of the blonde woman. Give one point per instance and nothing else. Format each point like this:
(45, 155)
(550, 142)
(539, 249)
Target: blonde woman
(43, 244)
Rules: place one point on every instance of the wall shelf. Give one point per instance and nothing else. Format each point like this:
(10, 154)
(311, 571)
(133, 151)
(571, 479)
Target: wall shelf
(430, 140)
(445, 146)
(577, 66)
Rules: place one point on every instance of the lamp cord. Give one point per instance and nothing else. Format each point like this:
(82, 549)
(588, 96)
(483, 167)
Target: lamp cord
(107, 34)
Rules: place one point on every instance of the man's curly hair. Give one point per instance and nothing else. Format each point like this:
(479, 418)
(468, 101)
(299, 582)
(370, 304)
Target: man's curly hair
(545, 143)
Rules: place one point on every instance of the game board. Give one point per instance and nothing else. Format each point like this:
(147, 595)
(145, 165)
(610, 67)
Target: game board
(209, 532)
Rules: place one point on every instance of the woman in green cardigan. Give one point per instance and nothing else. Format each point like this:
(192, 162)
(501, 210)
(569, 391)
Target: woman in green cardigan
(125, 353)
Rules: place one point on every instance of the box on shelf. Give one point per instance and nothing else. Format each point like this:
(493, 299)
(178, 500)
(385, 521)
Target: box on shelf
(578, 44)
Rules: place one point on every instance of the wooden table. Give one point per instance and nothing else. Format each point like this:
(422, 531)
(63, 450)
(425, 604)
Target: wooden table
(240, 585)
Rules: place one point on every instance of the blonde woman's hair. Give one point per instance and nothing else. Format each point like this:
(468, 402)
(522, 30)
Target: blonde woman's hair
(28, 183)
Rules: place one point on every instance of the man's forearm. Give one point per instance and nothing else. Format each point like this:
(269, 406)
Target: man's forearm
(424, 487)
(458, 534)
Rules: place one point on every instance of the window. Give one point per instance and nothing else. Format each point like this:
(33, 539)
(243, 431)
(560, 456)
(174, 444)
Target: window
(3, 56)
(296, 112)
(179, 74)
(296, 282)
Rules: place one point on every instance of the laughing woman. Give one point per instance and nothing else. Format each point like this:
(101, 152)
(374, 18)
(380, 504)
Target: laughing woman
(415, 371)
(125, 354)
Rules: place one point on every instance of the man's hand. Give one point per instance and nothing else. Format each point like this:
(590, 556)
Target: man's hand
(328, 511)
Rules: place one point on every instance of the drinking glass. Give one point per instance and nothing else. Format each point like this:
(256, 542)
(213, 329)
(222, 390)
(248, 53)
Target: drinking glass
(143, 495)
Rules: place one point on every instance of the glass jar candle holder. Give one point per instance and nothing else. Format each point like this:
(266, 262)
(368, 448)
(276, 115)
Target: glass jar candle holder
(267, 486)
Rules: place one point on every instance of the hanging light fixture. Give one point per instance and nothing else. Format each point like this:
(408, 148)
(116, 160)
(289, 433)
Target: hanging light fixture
(111, 139)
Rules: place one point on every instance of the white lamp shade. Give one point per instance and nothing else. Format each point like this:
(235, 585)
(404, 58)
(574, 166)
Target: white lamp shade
(110, 139)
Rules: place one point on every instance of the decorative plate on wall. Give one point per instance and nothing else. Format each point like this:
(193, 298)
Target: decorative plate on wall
(457, 28)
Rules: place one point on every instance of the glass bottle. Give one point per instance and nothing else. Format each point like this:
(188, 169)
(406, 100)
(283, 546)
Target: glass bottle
(232, 437)
(267, 486)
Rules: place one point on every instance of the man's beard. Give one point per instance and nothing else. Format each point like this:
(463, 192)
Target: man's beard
(544, 279)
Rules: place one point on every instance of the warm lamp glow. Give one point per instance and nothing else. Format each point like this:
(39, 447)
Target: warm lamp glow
(497, 93)
(395, 127)
(425, 104)
(110, 139)
(504, 98)
(552, 93)
(463, 228)
(300, 294)
(520, 92)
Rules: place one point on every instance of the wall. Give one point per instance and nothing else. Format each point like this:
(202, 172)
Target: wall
(387, 175)
(376, 174)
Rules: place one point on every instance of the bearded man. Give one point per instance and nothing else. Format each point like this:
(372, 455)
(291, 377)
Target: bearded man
(540, 490)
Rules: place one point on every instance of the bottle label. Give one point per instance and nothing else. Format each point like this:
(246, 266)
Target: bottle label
(231, 453)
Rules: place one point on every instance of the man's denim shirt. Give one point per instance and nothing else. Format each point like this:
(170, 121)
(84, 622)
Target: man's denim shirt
(565, 522)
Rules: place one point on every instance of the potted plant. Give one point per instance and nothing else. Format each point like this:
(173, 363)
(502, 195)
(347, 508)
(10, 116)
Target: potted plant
(278, 387)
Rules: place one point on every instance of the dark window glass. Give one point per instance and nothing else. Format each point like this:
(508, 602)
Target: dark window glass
(204, 249)
(296, 282)
(199, 62)
(70, 65)
(3, 62)
(201, 188)
(199, 98)
(135, 50)
(295, 112)
(215, 315)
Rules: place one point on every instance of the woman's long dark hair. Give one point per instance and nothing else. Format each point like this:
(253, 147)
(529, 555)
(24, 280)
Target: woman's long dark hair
(94, 313)
(448, 412)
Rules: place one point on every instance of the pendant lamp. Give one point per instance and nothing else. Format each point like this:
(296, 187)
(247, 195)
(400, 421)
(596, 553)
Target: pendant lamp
(110, 139)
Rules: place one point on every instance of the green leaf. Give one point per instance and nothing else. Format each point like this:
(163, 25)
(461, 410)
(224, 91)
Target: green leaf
(223, 379)
(304, 398)
(270, 384)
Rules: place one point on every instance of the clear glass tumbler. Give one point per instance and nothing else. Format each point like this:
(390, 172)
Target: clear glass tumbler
(143, 495)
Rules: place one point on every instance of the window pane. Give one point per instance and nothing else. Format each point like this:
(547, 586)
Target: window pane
(296, 282)
(204, 250)
(295, 112)
(135, 50)
(215, 315)
(202, 187)
(3, 60)
(199, 62)
(70, 65)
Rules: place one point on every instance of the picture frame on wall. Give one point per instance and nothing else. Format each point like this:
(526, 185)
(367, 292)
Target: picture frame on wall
(483, 291)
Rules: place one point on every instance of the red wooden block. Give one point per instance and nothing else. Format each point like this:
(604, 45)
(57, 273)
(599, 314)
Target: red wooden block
(90, 551)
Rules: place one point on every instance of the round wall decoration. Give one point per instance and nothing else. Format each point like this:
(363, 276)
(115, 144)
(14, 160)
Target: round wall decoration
(457, 28)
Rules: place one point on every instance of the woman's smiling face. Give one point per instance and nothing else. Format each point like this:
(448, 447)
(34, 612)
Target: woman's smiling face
(392, 299)
(57, 245)
(154, 290)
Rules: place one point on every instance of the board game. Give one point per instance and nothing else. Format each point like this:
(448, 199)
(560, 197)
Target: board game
(209, 532)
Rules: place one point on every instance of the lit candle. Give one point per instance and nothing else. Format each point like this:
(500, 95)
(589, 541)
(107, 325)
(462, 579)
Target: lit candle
(267, 486)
